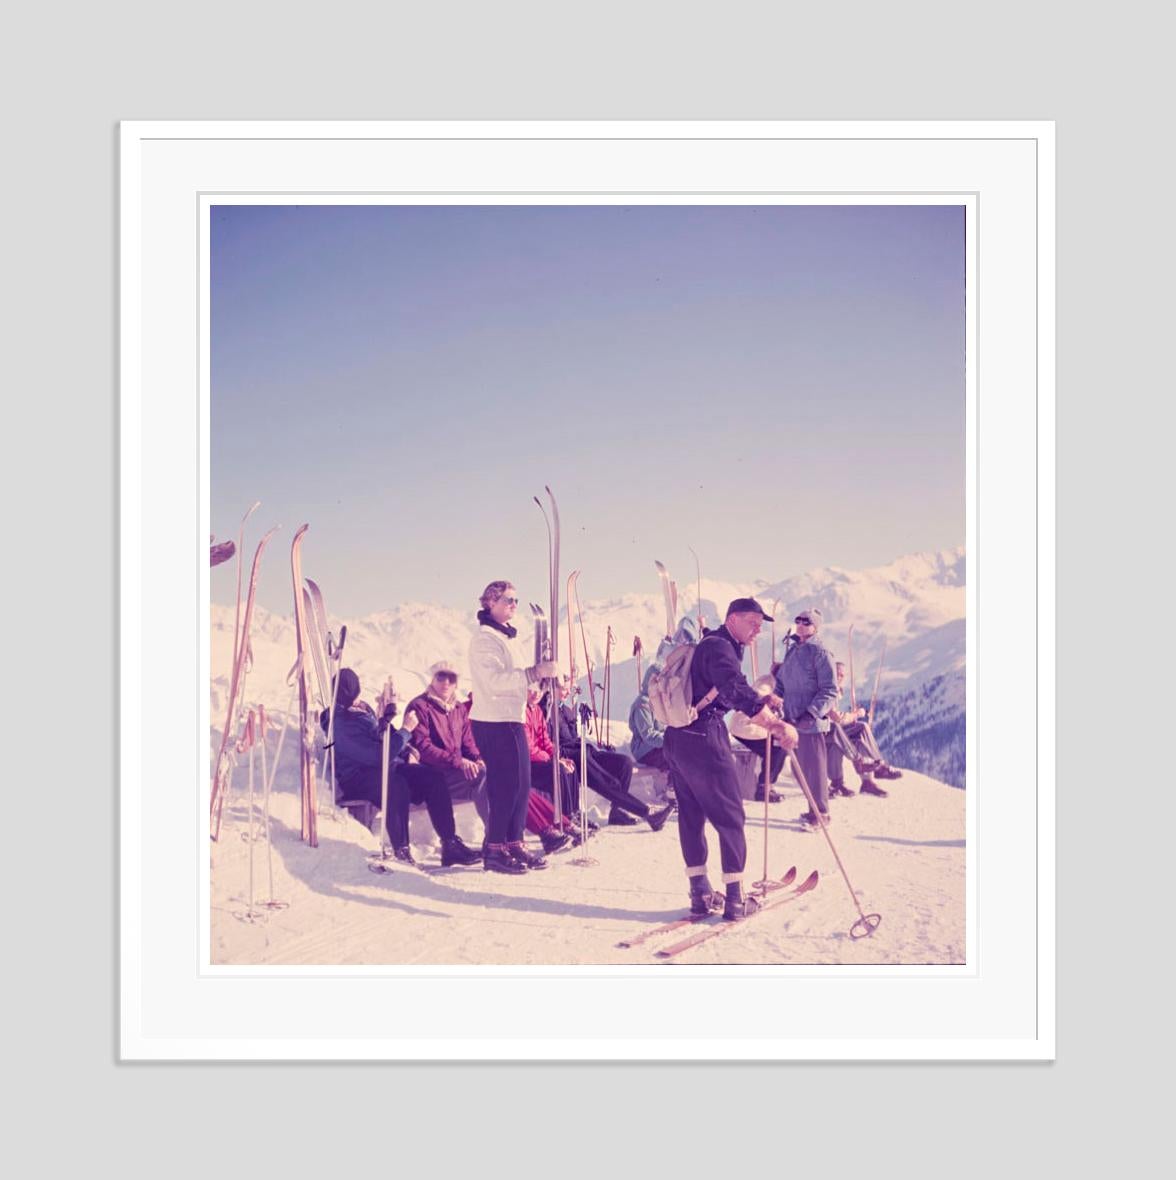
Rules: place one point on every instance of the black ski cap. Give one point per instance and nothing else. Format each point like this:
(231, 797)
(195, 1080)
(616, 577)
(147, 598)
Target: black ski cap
(747, 606)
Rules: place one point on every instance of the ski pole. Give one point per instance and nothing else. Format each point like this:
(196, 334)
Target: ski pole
(584, 860)
(762, 885)
(377, 860)
(271, 903)
(609, 641)
(877, 677)
(866, 923)
(637, 650)
(852, 684)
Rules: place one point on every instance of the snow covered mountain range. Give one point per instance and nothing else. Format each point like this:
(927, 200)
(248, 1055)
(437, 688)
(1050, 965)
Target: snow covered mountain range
(916, 602)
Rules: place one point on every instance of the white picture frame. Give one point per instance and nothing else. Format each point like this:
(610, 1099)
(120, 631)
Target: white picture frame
(1000, 1005)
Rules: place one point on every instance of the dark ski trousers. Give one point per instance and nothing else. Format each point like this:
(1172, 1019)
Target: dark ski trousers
(810, 753)
(708, 789)
(569, 793)
(759, 746)
(365, 784)
(435, 786)
(503, 745)
(610, 774)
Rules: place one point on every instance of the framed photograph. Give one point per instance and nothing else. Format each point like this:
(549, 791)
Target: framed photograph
(587, 587)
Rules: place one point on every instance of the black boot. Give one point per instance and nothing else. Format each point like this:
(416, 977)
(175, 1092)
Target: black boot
(620, 818)
(553, 840)
(869, 787)
(703, 899)
(404, 855)
(529, 860)
(774, 796)
(736, 907)
(454, 852)
(497, 859)
(837, 788)
(657, 819)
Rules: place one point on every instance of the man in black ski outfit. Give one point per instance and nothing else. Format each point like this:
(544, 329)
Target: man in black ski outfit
(609, 774)
(700, 754)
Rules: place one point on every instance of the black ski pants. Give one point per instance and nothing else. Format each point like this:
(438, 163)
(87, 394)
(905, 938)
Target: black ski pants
(759, 746)
(569, 791)
(609, 774)
(406, 785)
(503, 745)
(708, 789)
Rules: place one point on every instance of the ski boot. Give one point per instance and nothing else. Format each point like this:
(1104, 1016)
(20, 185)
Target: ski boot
(529, 860)
(553, 840)
(838, 789)
(657, 819)
(703, 899)
(404, 855)
(496, 858)
(454, 852)
(774, 796)
(736, 907)
(869, 787)
(621, 819)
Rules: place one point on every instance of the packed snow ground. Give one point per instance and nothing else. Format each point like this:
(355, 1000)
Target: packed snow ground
(904, 854)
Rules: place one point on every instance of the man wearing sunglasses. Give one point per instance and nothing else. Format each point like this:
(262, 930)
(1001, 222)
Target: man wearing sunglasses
(806, 680)
(448, 754)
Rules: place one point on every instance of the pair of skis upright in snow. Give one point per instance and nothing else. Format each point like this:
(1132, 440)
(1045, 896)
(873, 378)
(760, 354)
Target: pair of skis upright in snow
(242, 660)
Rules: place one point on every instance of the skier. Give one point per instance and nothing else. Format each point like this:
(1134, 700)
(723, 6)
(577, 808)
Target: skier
(358, 733)
(609, 774)
(755, 738)
(700, 754)
(497, 716)
(648, 736)
(851, 736)
(445, 742)
(540, 749)
(807, 682)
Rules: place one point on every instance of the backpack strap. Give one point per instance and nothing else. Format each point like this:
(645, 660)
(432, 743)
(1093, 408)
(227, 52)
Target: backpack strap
(706, 700)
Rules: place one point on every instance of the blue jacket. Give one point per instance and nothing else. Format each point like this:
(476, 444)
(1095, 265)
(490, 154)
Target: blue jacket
(359, 740)
(807, 683)
(647, 734)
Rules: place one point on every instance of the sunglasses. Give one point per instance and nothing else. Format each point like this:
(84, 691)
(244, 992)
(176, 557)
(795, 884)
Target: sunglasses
(803, 621)
(510, 601)
(450, 676)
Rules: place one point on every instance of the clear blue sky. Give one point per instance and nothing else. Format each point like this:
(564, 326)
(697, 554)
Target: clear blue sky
(781, 387)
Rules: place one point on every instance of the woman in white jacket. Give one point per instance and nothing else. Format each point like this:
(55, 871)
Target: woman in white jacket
(498, 717)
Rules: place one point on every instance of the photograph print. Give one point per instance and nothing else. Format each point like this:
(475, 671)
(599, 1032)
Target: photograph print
(587, 583)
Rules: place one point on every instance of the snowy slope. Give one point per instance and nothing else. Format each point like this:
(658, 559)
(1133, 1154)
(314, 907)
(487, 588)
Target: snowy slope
(904, 854)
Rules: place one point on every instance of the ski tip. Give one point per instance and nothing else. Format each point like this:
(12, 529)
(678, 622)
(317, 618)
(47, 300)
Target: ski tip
(810, 882)
(789, 876)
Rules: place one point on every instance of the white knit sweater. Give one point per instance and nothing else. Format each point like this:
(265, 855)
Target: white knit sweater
(500, 689)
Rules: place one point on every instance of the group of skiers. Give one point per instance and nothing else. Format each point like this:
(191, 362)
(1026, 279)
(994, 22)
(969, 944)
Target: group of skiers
(495, 747)
(795, 706)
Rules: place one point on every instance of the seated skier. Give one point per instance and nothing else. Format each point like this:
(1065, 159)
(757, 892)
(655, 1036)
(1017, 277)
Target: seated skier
(358, 743)
(852, 737)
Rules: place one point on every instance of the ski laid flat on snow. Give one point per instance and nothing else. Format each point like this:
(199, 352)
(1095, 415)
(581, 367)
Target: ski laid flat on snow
(806, 886)
(694, 919)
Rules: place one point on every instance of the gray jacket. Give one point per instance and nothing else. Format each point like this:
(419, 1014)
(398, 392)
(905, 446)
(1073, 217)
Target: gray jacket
(807, 682)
